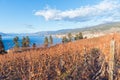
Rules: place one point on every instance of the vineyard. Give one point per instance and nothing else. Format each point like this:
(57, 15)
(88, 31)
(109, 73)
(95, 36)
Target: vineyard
(85, 59)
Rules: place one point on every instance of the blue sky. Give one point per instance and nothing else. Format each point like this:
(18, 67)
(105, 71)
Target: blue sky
(29, 16)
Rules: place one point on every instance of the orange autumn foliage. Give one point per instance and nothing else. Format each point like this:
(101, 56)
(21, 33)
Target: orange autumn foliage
(39, 62)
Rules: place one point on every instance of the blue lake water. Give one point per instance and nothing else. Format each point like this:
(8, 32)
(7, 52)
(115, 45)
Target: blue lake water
(8, 41)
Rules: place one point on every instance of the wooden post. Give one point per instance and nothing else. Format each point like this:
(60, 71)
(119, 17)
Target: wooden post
(111, 60)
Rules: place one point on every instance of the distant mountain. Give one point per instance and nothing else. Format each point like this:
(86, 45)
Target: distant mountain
(3, 34)
(63, 31)
(104, 28)
(14, 34)
(98, 28)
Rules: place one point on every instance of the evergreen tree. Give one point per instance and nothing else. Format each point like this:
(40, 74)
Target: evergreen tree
(64, 39)
(51, 40)
(0, 37)
(16, 43)
(46, 42)
(80, 35)
(76, 37)
(69, 37)
(24, 42)
(2, 49)
(27, 41)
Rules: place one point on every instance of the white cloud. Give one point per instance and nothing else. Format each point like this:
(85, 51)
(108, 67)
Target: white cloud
(48, 13)
(107, 10)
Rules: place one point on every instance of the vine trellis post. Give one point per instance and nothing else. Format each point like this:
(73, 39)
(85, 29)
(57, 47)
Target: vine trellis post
(111, 60)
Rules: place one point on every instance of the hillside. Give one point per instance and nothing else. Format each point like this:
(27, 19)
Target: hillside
(78, 60)
(107, 27)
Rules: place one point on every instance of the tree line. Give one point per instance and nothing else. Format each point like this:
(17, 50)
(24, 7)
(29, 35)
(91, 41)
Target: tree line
(25, 43)
(48, 41)
(70, 37)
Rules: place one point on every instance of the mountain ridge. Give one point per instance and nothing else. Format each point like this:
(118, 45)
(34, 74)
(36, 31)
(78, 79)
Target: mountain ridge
(101, 27)
(107, 27)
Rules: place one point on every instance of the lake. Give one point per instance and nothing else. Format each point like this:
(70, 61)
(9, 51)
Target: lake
(8, 41)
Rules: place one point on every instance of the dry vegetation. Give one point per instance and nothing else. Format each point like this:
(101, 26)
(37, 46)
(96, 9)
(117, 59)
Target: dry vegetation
(85, 59)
